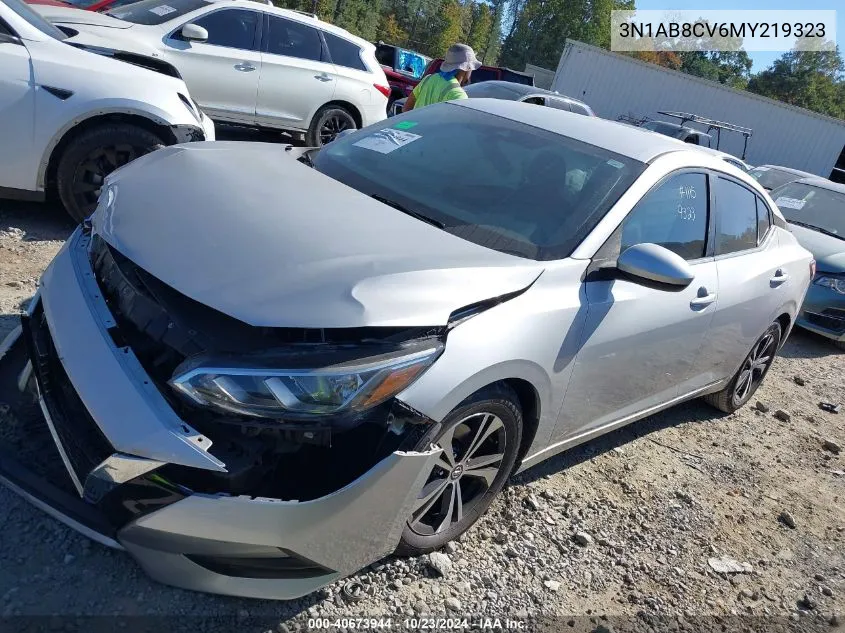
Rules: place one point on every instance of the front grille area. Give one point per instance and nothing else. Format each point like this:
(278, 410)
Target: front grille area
(84, 444)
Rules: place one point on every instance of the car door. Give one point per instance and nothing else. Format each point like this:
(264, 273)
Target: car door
(640, 342)
(296, 76)
(754, 283)
(222, 73)
(17, 113)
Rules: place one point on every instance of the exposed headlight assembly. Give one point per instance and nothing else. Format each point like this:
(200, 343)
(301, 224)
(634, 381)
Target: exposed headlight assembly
(837, 284)
(347, 387)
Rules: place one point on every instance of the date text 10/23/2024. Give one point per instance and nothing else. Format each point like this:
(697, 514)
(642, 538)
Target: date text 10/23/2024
(418, 623)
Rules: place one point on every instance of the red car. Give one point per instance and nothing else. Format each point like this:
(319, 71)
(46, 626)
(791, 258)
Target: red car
(89, 5)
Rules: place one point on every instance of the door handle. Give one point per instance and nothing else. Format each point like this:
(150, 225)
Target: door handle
(323, 77)
(779, 277)
(703, 299)
(244, 67)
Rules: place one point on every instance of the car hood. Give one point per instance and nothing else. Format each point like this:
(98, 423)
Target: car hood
(828, 251)
(248, 230)
(77, 17)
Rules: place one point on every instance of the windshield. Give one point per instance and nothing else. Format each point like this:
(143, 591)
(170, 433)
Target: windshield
(492, 91)
(489, 180)
(813, 207)
(770, 178)
(155, 12)
(34, 19)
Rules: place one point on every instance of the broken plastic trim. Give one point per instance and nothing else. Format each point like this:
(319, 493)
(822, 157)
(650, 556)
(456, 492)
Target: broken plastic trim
(474, 309)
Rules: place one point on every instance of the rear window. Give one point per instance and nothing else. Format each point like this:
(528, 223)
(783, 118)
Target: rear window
(344, 53)
(504, 185)
(493, 91)
(154, 12)
(770, 178)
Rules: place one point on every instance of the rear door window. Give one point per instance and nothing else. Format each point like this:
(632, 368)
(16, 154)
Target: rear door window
(736, 228)
(344, 53)
(293, 39)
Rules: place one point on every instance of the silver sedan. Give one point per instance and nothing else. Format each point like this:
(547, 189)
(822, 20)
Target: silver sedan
(265, 368)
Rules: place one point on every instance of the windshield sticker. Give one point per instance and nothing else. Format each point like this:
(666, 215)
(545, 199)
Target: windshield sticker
(615, 163)
(790, 203)
(162, 10)
(387, 140)
(405, 125)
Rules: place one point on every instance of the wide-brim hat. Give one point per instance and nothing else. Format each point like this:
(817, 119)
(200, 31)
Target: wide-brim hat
(460, 57)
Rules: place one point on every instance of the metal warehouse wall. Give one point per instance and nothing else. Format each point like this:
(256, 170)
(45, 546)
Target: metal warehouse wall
(543, 78)
(615, 85)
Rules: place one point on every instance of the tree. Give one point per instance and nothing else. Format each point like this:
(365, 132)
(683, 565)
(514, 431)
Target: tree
(809, 79)
(390, 32)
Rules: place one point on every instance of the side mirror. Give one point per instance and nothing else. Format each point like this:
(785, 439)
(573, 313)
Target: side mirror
(194, 33)
(654, 263)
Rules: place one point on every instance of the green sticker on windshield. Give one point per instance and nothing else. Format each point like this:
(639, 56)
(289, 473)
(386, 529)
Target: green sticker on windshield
(405, 125)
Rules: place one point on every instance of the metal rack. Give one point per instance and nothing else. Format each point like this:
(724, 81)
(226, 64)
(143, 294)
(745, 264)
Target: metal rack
(712, 124)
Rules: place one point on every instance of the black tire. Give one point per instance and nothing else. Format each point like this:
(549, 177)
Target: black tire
(93, 155)
(743, 385)
(327, 123)
(428, 529)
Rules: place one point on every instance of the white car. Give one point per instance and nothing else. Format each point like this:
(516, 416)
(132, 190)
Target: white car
(249, 63)
(69, 117)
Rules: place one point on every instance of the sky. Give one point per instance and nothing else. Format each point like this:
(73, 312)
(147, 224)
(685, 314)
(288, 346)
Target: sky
(761, 60)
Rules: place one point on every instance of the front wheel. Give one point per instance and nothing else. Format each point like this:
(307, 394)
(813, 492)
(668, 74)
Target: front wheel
(480, 440)
(327, 124)
(750, 374)
(93, 155)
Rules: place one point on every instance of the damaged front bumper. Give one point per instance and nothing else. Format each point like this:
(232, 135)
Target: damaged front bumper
(89, 437)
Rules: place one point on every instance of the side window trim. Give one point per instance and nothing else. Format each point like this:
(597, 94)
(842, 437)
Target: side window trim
(717, 212)
(175, 34)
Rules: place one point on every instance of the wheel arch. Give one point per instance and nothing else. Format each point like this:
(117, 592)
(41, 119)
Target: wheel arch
(346, 105)
(75, 127)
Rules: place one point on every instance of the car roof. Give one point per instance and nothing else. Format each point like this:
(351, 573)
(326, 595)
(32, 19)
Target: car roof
(518, 90)
(641, 145)
(788, 170)
(823, 183)
(298, 16)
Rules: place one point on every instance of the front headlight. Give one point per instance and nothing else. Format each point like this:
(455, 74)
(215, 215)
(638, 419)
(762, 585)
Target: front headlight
(347, 387)
(837, 284)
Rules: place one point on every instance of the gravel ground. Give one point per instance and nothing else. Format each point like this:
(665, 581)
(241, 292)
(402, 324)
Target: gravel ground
(636, 531)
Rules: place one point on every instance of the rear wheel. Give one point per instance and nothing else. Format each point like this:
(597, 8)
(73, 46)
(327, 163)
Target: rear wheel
(327, 124)
(750, 374)
(480, 440)
(93, 155)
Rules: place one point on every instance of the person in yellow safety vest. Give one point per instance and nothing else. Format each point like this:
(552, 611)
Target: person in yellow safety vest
(445, 84)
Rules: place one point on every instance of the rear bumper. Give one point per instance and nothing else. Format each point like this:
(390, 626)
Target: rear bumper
(102, 433)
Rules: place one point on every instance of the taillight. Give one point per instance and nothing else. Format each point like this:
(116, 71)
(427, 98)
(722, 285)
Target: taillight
(812, 269)
(385, 90)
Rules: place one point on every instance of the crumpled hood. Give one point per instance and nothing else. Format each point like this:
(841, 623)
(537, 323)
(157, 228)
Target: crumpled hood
(828, 251)
(248, 230)
(79, 17)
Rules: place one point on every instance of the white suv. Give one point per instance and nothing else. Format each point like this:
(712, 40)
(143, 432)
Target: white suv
(69, 117)
(249, 63)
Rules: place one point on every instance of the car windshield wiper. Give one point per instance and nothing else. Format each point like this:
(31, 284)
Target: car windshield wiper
(407, 211)
(813, 227)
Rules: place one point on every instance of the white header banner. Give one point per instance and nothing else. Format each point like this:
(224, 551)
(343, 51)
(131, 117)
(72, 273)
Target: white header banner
(713, 30)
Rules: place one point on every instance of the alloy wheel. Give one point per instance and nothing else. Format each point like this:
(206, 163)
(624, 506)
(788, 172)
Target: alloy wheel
(90, 174)
(334, 125)
(473, 450)
(754, 367)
